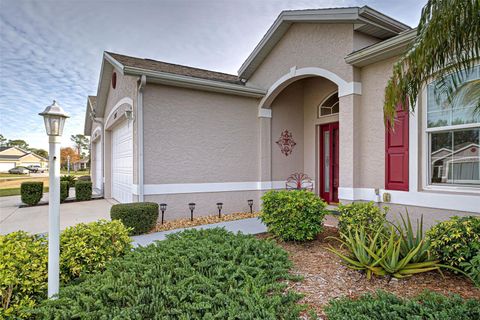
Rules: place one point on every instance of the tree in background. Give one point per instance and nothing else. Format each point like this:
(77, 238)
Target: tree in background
(81, 143)
(22, 144)
(65, 152)
(447, 42)
(40, 152)
(3, 141)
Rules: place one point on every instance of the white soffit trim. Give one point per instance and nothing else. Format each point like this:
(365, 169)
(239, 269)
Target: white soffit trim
(180, 188)
(437, 200)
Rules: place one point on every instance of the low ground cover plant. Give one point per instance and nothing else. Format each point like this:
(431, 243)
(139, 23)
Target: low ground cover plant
(84, 249)
(140, 217)
(358, 214)
(456, 242)
(386, 306)
(195, 274)
(295, 215)
(31, 192)
(83, 190)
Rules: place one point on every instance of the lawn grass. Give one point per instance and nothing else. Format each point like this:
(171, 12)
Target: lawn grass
(14, 191)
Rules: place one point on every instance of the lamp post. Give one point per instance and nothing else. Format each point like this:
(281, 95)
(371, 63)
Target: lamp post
(54, 118)
(68, 164)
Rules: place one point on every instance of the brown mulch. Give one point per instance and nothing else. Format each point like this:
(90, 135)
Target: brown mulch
(202, 220)
(326, 278)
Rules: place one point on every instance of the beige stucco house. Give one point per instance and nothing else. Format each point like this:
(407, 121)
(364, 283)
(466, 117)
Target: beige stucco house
(11, 157)
(308, 99)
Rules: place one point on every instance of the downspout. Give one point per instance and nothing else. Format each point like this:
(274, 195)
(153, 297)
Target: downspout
(102, 143)
(141, 87)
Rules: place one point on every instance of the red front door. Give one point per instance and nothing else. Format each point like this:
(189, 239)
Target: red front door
(329, 164)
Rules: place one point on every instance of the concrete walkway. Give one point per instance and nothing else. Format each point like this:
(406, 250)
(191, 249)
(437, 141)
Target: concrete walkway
(35, 219)
(246, 226)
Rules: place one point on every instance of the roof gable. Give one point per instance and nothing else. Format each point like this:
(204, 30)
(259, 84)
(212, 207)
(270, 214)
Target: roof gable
(364, 20)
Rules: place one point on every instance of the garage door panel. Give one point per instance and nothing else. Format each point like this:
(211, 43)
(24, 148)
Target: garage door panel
(122, 163)
(5, 166)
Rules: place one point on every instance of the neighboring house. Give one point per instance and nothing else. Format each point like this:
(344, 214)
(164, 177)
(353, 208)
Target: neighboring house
(81, 164)
(308, 99)
(11, 157)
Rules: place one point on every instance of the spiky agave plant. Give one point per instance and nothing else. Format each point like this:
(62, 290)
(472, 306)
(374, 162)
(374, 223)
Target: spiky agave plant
(446, 44)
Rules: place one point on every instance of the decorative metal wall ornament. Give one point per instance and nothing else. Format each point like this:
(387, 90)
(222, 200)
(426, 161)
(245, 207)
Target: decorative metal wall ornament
(286, 142)
(299, 181)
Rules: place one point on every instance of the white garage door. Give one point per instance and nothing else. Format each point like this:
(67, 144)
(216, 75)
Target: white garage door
(5, 166)
(98, 165)
(122, 163)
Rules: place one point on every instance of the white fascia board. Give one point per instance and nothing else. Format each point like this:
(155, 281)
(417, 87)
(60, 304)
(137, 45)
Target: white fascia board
(382, 50)
(195, 83)
(117, 65)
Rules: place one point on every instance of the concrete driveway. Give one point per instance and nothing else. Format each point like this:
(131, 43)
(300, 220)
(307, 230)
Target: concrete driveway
(35, 219)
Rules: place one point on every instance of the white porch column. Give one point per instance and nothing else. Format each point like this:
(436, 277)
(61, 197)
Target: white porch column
(349, 112)
(265, 145)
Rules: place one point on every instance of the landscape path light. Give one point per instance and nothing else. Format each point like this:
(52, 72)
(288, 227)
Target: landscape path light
(191, 205)
(54, 118)
(219, 206)
(250, 204)
(163, 208)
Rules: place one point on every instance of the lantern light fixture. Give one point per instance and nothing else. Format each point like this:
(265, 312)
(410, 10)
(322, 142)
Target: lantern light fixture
(54, 118)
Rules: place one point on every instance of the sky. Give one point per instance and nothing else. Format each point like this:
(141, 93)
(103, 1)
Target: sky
(53, 49)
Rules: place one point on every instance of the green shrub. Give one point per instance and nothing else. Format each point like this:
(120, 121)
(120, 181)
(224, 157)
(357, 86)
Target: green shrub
(386, 306)
(141, 217)
(70, 179)
(87, 247)
(23, 273)
(472, 268)
(456, 240)
(83, 190)
(396, 251)
(31, 192)
(360, 214)
(84, 249)
(64, 190)
(293, 215)
(195, 274)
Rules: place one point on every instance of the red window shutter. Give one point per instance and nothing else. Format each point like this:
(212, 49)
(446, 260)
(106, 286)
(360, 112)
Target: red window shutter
(396, 153)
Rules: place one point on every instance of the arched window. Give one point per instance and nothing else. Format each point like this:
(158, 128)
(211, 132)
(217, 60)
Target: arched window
(329, 106)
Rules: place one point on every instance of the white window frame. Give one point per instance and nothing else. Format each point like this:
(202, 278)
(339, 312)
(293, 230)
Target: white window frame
(426, 142)
(319, 107)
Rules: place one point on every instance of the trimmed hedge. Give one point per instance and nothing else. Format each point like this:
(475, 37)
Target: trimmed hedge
(64, 190)
(83, 190)
(84, 248)
(293, 215)
(31, 192)
(386, 306)
(141, 217)
(195, 274)
(358, 214)
(84, 178)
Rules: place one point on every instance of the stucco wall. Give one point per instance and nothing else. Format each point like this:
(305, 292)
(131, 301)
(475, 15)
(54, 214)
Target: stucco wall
(371, 126)
(126, 87)
(196, 137)
(308, 45)
(287, 114)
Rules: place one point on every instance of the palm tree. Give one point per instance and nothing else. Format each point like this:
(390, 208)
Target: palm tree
(446, 48)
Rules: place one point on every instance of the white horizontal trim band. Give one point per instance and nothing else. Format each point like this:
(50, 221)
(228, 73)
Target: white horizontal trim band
(438, 200)
(178, 188)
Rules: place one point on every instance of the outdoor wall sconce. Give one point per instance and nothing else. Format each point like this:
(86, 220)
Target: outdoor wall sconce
(191, 205)
(219, 206)
(250, 204)
(163, 208)
(129, 114)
